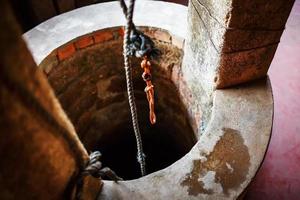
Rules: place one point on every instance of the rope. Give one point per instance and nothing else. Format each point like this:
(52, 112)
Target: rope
(94, 165)
(130, 27)
(124, 9)
(140, 45)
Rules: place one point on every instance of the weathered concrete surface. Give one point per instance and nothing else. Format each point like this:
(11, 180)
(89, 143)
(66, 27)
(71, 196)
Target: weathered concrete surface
(225, 158)
(228, 120)
(239, 31)
(59, 30)
(40, 151)
(219, 53)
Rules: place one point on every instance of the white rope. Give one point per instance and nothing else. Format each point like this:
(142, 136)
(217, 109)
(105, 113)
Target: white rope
(129, 27)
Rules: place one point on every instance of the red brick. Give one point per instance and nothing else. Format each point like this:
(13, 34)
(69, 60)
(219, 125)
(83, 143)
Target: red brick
(66, 51)
(102, 36)
(121, 31)
(84, 42)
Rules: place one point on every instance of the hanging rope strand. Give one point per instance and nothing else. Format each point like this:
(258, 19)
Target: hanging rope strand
(124, 9)
(129, 27)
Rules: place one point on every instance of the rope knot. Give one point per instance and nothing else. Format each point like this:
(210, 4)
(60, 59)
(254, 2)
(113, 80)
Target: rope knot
(141, 45)
(94, 165)
(146, 76)
(94, 168)
(141, 158)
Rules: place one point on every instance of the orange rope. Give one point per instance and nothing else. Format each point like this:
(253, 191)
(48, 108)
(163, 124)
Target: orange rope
(149, 89)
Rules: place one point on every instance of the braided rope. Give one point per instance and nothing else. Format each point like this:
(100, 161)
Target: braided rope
(125, 10)
(129, 27)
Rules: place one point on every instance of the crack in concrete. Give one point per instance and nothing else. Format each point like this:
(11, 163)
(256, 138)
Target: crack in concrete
(209, 13)
(236, 28)
(229, 52)
(206, 29)
(254, 48)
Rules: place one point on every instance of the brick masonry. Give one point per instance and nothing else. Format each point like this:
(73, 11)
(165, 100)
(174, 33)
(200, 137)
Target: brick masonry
(84, 42)
(106, 35)
(91, 88)
(68, 50)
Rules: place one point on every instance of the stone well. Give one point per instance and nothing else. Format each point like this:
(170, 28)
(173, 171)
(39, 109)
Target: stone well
(208, 143)
(99, 110)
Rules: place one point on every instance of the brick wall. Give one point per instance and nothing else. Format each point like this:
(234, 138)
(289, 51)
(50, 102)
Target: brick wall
(67, 50)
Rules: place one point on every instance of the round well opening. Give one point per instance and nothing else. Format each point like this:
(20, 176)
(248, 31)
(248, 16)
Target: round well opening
(91, 87)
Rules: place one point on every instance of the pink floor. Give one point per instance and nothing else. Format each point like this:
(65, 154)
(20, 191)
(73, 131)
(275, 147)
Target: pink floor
(279, 176)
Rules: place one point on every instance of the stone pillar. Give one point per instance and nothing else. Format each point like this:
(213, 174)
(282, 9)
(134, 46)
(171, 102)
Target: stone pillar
(233, 41)
(230, 42)
(40, 152)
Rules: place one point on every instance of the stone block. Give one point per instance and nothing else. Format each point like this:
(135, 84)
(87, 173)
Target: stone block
(244, 34)
(232, 39)
(248, 14)
(240, 40)
(244, 66)
(260, 15)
